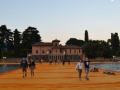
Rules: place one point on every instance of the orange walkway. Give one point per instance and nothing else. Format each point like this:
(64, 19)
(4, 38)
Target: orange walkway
(59, 77)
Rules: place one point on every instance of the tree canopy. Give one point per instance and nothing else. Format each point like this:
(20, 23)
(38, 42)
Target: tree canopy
(115, 43)
(74, 41)
(16, 44)
(96, 48)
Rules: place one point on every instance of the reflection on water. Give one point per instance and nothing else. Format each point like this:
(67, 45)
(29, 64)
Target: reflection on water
(112, 66)
(5, 67)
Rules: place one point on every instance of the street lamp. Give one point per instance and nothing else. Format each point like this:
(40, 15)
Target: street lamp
(48, 55)
(64, 54)
(114, 58)
(4, 58)
(29, 56)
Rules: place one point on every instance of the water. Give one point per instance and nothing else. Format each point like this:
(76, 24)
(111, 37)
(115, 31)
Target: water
(112, 66)
(6, 67)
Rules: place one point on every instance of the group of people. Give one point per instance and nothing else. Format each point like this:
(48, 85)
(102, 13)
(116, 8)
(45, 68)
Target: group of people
(83, 65)
(24, 65)
(58, 61)
(80, 65)
(94, 70)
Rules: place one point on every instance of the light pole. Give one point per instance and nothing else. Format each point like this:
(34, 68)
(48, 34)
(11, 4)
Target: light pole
(63, 58)
(4, 58)
(48, 55)
(64, 55)
(29, 56)
(77, 55)
(114, 58)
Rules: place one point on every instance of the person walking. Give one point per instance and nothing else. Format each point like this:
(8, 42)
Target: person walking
(87, 67)
(32, 67)
(63, 62)
(41, 61)
(24, 66)
(50, 61)
(68, 61)
(58, 61)
(79, 67)
(55, 62)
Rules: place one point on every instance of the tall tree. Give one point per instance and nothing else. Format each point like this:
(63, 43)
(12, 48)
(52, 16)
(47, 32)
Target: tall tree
(86, 36)
(10, 41)
(30, 36)
(96, 48)
(17, 43)
(0, 51)
(6, 39)
(114, 43)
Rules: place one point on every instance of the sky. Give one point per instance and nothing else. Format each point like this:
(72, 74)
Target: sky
(63, 19)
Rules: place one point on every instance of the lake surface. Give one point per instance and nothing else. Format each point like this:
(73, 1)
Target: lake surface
(111, 66)
(6, 67)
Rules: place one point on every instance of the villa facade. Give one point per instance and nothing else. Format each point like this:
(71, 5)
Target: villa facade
(55, 51)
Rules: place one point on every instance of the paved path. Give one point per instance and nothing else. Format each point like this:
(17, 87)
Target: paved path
(59, 77)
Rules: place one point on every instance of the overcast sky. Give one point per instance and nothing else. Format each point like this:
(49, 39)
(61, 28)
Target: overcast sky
(63, 19)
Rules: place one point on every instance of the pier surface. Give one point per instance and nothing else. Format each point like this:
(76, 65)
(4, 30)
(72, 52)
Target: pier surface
(58, 77)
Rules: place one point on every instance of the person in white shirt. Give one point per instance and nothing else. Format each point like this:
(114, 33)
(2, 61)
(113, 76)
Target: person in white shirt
(79, 67)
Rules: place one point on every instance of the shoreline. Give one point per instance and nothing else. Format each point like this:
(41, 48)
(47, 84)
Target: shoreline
(71, 62)
(60, 62)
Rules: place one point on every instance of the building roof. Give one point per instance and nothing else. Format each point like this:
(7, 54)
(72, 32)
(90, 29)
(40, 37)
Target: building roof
(71, 46)
(43, 44)
(56, 47)
(56, 40)
(68, 47)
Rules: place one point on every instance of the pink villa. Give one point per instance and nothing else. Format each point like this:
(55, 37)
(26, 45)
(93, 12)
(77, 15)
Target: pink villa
(55, 51)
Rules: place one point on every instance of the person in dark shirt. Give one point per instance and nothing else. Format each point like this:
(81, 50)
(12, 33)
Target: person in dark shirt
(50, 61)
(55, 62)
(86, 67)
(24, 66)
(69, 62)
(63, 62)
(32, 67)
